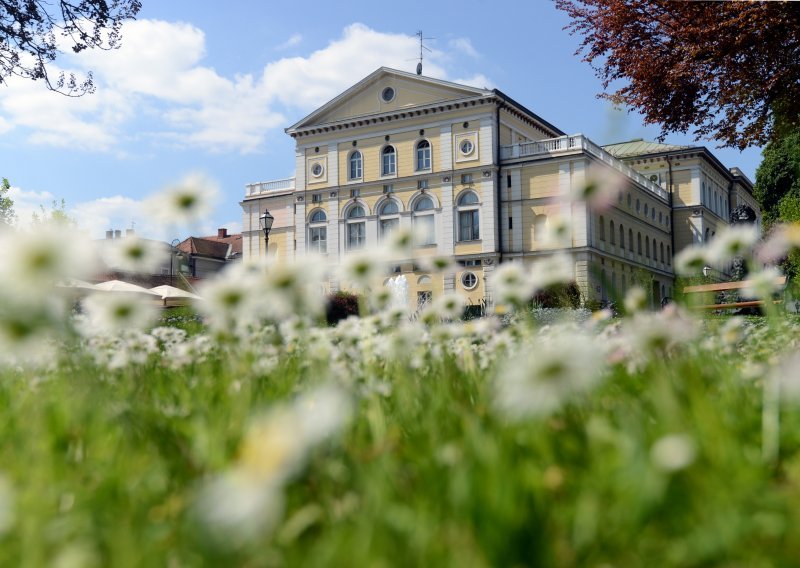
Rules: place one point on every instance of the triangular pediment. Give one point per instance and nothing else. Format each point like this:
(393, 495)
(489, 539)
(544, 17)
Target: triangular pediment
(371, 96)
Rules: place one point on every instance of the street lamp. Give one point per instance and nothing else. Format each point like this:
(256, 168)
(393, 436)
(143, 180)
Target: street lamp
(173, 253)
(266, 220)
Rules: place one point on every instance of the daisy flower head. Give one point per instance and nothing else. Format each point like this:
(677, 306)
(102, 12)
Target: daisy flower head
(363, 267)
(691, 260)
(673, 452)
(600, 190)
(512, 284)
(763, 284)
(559, 231)
(554, 269)
(33, 262)
(731, 242)
(113, 312)
(545, 377)
(134, 254)
(781, 240)
(186, 201)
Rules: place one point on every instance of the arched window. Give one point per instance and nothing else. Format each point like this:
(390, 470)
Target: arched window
(647, 247)
(703, 186)
(622, 238)
(389, 215)
(638, 206)
(388, 161)
(355, 166)
(468, 217)
(639, 243)
(662, 253)
(646, 209)
(655, 250)
(423, 155)
(611, 233)
(708, 233)
(630, 240)
(629, 200)
(318, 232)
(539, 227)
(669, 256)
(601, 229)
(423, 221)
(356, 228)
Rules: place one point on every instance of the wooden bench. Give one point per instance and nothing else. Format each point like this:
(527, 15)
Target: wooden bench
(780, 281)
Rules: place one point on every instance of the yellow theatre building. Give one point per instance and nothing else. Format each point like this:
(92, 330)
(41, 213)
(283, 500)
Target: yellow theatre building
(480, 177)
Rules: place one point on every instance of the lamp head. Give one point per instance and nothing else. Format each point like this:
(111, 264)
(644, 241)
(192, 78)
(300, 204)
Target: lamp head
(266, 220)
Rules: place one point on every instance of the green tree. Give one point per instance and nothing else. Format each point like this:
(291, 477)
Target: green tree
(56, 215)
(7, 215)
(777, 186)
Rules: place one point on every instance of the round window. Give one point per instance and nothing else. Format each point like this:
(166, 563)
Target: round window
(316, 170)
(469, 280)
(387, 95)
(467, 147)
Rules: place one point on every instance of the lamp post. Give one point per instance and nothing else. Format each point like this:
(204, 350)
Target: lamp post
(266, 220)
(172, 253)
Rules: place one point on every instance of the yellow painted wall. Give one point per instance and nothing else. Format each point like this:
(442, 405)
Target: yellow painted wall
(682, 186)
(539, 180)
(408, 92)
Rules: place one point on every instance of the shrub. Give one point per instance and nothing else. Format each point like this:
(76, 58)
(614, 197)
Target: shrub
(340, 306)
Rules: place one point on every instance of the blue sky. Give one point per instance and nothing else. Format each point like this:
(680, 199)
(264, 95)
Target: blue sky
(208, 87)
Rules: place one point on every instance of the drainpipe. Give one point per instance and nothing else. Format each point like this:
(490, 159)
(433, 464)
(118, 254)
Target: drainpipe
(499, 185)
(672, 218)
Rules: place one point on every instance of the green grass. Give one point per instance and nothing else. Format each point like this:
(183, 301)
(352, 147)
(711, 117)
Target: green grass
(106, 465)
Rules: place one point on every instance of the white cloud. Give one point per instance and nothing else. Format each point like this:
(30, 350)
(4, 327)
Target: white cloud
(464, 45)
(307, 82)
(294, 40)
(158, 73)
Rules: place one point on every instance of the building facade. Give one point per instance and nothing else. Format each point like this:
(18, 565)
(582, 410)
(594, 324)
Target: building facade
(482, 179)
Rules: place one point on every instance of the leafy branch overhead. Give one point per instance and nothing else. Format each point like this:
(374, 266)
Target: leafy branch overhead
(32, 33)
(729, 70)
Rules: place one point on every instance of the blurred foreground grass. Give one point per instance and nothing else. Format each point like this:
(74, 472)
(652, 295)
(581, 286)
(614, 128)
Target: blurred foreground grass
(660, 464)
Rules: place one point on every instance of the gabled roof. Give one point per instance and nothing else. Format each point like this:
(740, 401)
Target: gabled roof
(640, 147)
(456, 92)
(213, 247)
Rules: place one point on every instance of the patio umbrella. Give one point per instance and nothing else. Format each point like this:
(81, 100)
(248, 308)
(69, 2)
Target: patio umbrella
(171, 292)
(127, 287)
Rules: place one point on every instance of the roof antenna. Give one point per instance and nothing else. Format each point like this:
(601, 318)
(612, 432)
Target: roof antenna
(421, 48)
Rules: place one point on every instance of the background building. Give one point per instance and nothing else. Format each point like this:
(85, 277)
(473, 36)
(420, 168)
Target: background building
(482, 179)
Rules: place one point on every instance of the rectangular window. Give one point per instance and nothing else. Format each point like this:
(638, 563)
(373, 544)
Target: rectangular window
(422, 184)
(510, 223)
(355, 193)
(316, 198)
(466, 178)
(508, 180)
(468, 225)
(356, 235)
(318, 240)
(388, 225)
(425, 230)
(388, 188)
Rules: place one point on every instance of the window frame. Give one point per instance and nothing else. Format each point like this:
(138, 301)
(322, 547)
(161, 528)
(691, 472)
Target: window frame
(358, 223)
(391, 171)
(350, 166)
(319, 226)
(391, 219)
(426, 216)
(420, 161)
(468, 217)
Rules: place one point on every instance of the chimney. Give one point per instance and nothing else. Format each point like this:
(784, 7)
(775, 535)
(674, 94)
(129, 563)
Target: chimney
(222, 233)
(129, 232)
(109, 234)
(117, 234)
